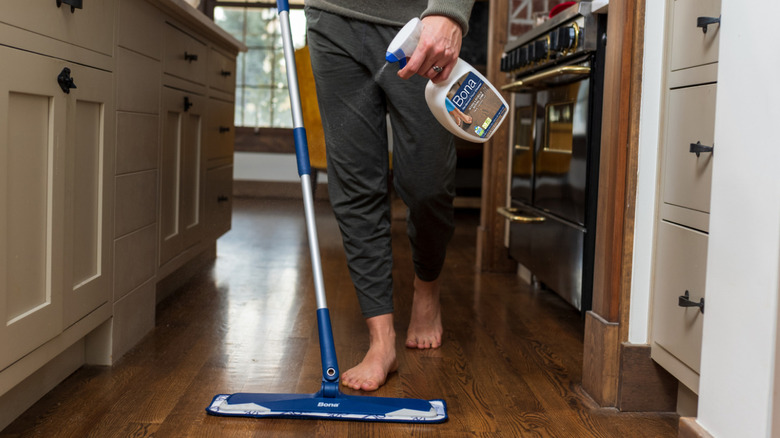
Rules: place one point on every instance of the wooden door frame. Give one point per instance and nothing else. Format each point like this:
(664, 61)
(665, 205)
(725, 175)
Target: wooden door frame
(606, 328)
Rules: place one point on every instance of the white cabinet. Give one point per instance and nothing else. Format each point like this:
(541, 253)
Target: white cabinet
(32, 202)
(106, 116)
(687, 154)
(181, 167)
(89, 162)
(56, 133)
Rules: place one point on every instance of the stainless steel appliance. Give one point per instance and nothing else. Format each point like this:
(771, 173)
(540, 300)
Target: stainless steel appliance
(555, 120)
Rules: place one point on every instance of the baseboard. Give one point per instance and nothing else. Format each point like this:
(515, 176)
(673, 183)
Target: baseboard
(276, 190)
(643, 385)
(689, 428)
(600, 367)
(22, 396)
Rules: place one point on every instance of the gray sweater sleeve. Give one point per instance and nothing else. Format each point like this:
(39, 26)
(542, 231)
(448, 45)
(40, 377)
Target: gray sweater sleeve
(399, 12)
(458, 10)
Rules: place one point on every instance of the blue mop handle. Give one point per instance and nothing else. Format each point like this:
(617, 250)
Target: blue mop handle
(330, 368)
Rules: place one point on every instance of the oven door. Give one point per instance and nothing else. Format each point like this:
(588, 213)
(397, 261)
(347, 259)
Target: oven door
(550, 140)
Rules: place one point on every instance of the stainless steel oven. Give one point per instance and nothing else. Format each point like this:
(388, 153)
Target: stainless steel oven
(555, 121)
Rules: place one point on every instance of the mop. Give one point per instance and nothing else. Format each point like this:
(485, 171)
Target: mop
(328, 402)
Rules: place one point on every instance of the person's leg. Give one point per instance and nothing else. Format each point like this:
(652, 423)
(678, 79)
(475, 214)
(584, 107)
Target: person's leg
(353, 112)
(423, 175)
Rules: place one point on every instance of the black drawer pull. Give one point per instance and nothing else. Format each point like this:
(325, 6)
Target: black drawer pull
(74, 4)
(222, 198)
(224, 129)
(225, 73)
(187, 104)
(685, 301)
(697, 148)
(189, 57)
(65, 81)
(703, 22)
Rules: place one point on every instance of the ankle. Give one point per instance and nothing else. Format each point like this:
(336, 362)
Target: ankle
(381, 330)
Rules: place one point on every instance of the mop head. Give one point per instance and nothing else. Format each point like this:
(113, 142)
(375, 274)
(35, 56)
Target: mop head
(342, 407)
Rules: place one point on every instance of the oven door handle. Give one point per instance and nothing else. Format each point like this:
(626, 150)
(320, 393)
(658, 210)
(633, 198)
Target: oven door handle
(530, 81)
(511, 214)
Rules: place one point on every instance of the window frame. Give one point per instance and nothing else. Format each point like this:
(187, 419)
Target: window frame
(249, 139)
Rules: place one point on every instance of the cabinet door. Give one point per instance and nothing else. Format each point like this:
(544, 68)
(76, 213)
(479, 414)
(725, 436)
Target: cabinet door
(89, 159)
(181, 185)
(218, 200)
(32, 143)
(219, 133)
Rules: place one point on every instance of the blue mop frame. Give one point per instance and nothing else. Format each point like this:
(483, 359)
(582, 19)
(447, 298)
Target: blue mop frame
(328, 402)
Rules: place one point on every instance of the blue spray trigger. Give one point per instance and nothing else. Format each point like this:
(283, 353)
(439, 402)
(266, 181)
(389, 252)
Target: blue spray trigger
(398, 56)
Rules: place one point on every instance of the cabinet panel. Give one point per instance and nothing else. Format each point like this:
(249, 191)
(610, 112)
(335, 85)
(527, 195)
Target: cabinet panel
(90, 27)
(181, 185)
(690, 45)
(134, 256)
(88, 202)
(33, 110)
(219, 200)
(137, 142)
(140, 28)
(137, 82)
(680, 265)
(691, 119)
(185, 57)
(221, 72)
(219, 133)
(136, 206)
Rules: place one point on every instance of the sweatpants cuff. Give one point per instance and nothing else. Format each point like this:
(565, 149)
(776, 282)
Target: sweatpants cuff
(377, 312)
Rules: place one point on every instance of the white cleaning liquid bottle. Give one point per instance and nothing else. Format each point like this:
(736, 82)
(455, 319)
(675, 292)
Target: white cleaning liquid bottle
(466, 103)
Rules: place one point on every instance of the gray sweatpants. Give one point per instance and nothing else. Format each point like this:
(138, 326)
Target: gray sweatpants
(356, 89)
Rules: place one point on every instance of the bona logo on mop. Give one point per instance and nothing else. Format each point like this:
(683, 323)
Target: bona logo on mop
(467, 91)
(327, 405)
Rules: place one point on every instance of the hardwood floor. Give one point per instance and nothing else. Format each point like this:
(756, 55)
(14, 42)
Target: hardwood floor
(510, 364)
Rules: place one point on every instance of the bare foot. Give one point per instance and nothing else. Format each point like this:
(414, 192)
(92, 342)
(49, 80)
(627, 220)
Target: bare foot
(380, 360)
(425, 328)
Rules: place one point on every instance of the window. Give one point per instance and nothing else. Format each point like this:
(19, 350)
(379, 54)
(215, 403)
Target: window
(262, 99)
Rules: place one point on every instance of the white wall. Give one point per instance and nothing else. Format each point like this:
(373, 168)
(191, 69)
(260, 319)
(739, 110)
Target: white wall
(644, 224)
(740, 324)
(254, 166)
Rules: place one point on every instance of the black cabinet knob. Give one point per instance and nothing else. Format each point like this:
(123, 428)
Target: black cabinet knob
(187, 104)
(684, 300)
(225, 73)
(224, 129)
(74, 4)
(704, 22)
(65, 81)
(698, 148)
(189, 57)
(222, 198)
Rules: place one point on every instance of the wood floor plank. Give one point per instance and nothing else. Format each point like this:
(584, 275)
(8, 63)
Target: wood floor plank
(510, 363)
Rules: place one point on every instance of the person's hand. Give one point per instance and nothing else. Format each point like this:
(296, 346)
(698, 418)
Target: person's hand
(439, 46)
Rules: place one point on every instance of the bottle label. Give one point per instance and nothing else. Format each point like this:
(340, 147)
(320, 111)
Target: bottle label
(474, 106)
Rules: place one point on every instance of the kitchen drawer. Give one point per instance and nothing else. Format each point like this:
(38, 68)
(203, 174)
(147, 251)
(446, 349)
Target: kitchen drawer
(222, 72)
(91, 27)
(185, 57)
(550, 248)
(691, 119)
(219, 200)
(690, 45)
(680, 266)
(219, 132)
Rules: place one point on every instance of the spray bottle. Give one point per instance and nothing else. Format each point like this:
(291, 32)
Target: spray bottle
(466, 103)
